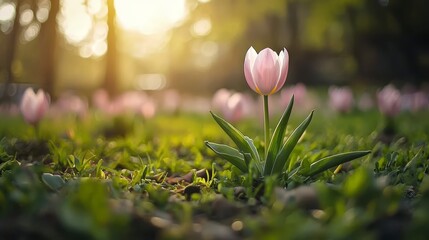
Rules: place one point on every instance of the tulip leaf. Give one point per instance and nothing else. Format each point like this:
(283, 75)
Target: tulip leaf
(284, 153)
(247, 159)
(236, 136)
(292, 173)
(333, 161)
(230, 154)
(304, 167)
(254, 153)
(277, 138)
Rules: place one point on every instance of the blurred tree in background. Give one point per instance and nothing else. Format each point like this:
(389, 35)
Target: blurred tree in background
(48, 56)
(77, 44)
(110, 76)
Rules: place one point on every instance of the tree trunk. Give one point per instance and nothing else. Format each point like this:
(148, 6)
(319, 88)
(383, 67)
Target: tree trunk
(110, 78)
(49, 46)
(12, 44)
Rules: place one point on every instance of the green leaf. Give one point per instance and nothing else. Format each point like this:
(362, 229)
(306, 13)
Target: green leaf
(236, 136)
(304, 167)
(54, 182)
(278, 135)
(284, 153)
(293, 172)
(11, 164)
(334, 160)
(98, 170)
(145, 172)
(230, 154)
(137, 176)
(254, 153)
(413, 162)
(247, 159)
(71, 161)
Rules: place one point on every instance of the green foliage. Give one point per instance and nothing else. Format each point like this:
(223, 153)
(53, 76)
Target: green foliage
(88, 186)
(283, 156)
(277, 139)
(279, 151)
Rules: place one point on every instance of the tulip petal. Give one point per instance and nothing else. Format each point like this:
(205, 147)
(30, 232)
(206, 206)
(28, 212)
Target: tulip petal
(43, 101)
(249, 62)
(26, 105)
(33, 106)
(284, 68)
(266, 71)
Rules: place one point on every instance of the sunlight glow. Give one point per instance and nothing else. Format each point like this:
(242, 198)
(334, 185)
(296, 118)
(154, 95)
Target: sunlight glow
(31, 32)
(26, 17)
(150, 16)
(7, 12)
(151, 81)
(95, 6)
(42, 14)
(205, 53)
(83, 23)
(75, 22)
(202, 27)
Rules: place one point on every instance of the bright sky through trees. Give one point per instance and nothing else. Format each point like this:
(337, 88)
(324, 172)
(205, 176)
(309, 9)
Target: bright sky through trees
(83, 24)
(149, 16)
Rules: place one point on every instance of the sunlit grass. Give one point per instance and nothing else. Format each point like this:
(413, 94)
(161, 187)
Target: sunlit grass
(111, 173)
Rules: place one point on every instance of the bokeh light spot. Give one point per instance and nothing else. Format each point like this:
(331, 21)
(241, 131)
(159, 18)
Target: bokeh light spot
(202, 27)
(151, 82)
(26, 17)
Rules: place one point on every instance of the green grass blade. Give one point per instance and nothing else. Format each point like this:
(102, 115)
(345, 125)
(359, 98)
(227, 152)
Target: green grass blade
(333, 161)
(277, 138)
(284, 153)
(413, 162)
(236, 136)
(230, 154)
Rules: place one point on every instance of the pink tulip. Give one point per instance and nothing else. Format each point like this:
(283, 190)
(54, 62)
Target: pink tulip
(9, 110)
(148, 109)
(220, 98)
(131, 101)
(300, 94)
(171, 101)
(100, 99)
(266, 72)
(233, 110)
(415, 101)
(389, 101)
(34, 106)
(70, 103)
(340, 99)
(420, 101)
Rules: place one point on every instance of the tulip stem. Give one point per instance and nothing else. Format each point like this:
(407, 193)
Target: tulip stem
(36, 130)
(266, 125)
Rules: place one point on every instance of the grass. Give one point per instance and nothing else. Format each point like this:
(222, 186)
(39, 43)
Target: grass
(133, 178)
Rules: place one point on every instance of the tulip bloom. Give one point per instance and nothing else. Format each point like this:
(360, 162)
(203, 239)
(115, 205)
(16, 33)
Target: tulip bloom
(299, 91)
(220, 98)
(233, 110)
(34, 106)
(341, 99)
(266, 72)
(389, 101)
